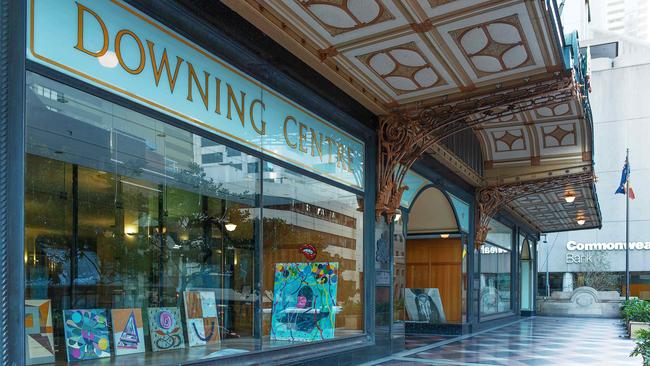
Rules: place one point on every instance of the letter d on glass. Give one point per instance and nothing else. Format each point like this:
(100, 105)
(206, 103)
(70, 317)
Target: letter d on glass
(81, 10)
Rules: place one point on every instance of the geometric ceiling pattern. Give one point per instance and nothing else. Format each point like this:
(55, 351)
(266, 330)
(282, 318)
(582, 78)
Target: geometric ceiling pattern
(552, 213)
(552, 134)
(389, 53)
(409, 54)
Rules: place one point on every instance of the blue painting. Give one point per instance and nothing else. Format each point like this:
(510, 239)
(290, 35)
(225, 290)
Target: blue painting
(304, 301)
(86, 334)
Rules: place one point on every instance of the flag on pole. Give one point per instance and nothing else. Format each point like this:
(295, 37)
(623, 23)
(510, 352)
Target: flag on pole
(625, 181)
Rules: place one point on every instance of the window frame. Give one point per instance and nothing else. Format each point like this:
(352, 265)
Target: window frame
(362, 340)
(513, 273)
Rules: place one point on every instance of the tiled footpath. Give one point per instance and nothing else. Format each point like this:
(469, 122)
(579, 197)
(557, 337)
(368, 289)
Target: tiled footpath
(534, 341)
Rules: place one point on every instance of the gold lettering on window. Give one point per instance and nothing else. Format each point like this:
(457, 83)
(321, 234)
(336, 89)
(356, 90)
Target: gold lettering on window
(80, 31)
(286, 134)
(233, 100)
(202, 90)
(118, 51)
(164, 64)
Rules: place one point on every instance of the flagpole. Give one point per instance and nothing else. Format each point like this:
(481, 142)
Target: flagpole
(627, 227)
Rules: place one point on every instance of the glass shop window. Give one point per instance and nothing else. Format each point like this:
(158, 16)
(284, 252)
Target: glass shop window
(136, 247)
(143, 242)
(312, 262)
(496, 271)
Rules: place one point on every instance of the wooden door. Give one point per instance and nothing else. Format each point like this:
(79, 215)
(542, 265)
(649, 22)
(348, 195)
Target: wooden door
(436, 263)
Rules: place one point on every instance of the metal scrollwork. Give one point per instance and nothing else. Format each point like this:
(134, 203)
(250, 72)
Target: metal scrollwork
(490, 199)
(405, 135)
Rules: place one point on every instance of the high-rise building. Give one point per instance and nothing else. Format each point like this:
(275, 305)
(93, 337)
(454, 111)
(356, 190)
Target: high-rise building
(620, 122)
(629, 17)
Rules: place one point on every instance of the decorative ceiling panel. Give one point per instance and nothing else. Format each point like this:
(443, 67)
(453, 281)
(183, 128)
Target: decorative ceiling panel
(494, 44)
(402, 67)
(554, 131)
(462, 45)
(549, 212)
(332, 22)
(441, 8)
(409, 55)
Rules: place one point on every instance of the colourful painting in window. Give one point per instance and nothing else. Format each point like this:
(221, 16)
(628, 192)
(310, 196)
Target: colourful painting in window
(39, 346)
(166, 329)
(201, 318)
(128, 331)
(86, 334)
(304, 304)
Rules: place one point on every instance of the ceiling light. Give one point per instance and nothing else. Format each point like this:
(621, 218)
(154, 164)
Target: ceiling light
(569, 197)
(231, 227)
(581, 221)
(444, 236)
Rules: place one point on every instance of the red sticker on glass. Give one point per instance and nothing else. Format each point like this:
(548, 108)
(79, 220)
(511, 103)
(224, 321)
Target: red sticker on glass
(308, 251)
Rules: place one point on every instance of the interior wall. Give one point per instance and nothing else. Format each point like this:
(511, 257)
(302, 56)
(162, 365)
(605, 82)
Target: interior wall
(432, 213)
(436, 263)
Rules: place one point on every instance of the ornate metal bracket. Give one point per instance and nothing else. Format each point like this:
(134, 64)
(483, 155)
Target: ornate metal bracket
(490, 199)
(404, 136)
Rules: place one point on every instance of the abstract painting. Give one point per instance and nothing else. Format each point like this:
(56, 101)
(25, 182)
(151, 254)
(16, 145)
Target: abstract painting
(39, 334)
(304, 297)
(128, 331)
(86, 334)
(201, 318)
(165, 328)
(424, 305)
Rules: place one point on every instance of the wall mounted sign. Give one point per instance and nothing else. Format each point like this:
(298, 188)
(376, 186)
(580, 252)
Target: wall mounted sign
(115, 47)
(572, 245)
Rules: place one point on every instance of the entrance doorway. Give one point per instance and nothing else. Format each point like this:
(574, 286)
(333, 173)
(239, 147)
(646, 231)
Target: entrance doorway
(434, 267)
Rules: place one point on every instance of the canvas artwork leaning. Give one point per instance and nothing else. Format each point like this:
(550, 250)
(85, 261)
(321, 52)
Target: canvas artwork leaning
(201, 318)
(304, 300)
(424, 305)
(86, 334)
(39, 334)
(128, 331)
(165, 328)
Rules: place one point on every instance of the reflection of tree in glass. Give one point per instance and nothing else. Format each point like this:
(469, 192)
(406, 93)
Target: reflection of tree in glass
(596, 273)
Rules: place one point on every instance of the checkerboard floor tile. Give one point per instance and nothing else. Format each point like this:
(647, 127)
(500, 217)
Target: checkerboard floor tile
(537, 341)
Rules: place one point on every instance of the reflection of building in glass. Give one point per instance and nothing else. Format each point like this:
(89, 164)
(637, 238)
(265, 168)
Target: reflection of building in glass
(125, 210)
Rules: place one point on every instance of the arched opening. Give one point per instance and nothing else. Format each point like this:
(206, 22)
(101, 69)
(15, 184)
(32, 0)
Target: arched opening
(526, 262)
(435, 266)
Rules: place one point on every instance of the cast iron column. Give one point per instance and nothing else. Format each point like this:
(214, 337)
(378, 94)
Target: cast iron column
(12, 169)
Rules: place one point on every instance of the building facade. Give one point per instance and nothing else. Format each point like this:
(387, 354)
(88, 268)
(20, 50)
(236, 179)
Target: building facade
(615, 119)
(193, 182)
(597, 257)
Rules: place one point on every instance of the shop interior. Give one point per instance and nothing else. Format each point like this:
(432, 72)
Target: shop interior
(433, 261)
(126, 212)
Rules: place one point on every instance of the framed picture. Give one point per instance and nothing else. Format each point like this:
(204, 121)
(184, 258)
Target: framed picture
(165, 328)
(86, 334)
(128, 331)
(39, 334)
(304, 300)
(201, 318)
(424, 305)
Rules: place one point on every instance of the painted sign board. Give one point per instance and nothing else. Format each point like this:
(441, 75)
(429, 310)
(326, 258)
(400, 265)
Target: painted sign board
(113, 46)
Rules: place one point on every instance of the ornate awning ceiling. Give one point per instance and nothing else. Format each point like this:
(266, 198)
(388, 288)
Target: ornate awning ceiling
(388, 53)
(438, 66)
